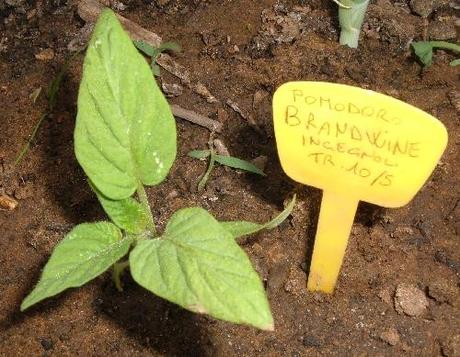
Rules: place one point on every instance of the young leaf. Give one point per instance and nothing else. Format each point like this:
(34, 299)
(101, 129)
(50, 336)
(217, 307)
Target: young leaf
(125, 134)
(144, 47)
(236, 163)
(128, 214)
(241, 228)
(424, 50)
(86, 252)
(198, 266)
(199, 154)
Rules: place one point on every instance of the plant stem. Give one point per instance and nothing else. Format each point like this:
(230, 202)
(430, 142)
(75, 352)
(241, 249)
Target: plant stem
(204, 179)
(351, 20)
(145, 203)
(118, 269)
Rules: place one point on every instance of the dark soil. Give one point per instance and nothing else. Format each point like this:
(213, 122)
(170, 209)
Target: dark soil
(241, 50)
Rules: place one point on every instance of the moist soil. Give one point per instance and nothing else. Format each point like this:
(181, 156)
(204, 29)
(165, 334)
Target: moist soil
(398, 290)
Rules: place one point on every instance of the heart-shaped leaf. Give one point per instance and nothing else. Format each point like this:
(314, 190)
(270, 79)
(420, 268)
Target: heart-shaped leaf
(198, 265)
(125, 134)
(86, 252)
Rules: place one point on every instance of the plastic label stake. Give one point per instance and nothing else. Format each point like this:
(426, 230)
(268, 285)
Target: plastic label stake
(354, 144)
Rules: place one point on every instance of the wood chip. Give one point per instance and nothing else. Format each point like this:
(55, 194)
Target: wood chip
(7, 202)
(212, 125)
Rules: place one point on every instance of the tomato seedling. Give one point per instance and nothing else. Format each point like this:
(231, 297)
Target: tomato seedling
(125, 138)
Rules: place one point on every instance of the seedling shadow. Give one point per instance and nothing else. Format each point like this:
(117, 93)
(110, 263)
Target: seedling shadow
(155, 323)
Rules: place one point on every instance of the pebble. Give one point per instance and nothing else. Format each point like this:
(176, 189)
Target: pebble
(172, 89)
(45, 55)
(410, 300)
(47, 344)
(424, 8)
(443, 292)
(452, 347)
(390, 336)
(442, 30)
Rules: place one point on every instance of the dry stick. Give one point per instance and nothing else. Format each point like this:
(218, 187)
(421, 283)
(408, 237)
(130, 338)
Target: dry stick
(89, 11)
(212, 125)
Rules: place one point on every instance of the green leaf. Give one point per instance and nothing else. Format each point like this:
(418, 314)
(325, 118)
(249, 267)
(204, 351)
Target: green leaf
(128, 214)
(198, 266)
(199, 154)
(144, 47)
(455, 63)
(241, 228)
(236, 163)
(424, 51)
(125, 133)
(86, 252)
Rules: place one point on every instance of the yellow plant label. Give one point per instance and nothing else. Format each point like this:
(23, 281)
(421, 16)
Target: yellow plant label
(354, 144)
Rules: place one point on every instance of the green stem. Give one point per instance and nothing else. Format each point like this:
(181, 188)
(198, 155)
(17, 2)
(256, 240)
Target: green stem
(351, 20)
(145, 203)
(118, 269)
(204, 179)
(445, 45)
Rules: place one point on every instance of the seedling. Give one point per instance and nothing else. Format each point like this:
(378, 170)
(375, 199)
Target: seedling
(125, 138)
(351, 17)
(424, 51)
(51, 96)
(153, 52)
(228, 161)
(354, 144)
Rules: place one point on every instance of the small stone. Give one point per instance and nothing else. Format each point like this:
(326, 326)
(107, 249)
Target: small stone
(278, 275)
(260, 162)
(172, 89)
(47, 344)
(424, 8)
(452, 347)
(442, 30)
(390, 336)
(172, 195)
(385, 296)
(311, 341)
(45, 55)
(410, 300)
(220, 147)
(443, 292)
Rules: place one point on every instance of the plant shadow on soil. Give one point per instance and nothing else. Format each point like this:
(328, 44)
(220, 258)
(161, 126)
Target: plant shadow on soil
(154, 322)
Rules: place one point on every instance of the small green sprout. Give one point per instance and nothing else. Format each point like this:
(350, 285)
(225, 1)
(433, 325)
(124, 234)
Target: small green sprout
(228, 161)
(424, 51)
(125, 139)
(51, 96)
(351, 17)
(153, 52)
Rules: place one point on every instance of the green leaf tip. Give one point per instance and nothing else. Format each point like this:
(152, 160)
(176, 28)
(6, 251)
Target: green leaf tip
(125, 133)
(241, 228)
(86, 252)
(198, 265)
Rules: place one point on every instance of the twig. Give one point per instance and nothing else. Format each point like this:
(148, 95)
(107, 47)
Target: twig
(212, 125)
(89, 11)
(7, 202)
